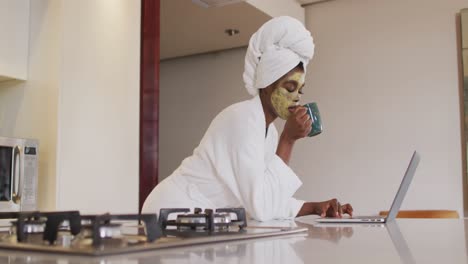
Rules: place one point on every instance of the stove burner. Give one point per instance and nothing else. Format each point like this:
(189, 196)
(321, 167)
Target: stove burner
(48, 224)
(33, 230)
(70, 231)
(107, 230)
(203, 221)
(31, 226)
(103, 228)
(110, 230)
(105, 234)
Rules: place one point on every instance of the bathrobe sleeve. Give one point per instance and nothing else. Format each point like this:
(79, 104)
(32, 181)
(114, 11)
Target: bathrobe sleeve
(265, 186)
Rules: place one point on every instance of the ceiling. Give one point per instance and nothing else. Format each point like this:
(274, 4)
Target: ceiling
(188, 28)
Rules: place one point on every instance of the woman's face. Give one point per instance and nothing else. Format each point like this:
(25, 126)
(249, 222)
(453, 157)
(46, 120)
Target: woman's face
(287, 92)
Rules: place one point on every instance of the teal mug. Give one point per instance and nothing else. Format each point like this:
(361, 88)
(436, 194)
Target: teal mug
(314, 114)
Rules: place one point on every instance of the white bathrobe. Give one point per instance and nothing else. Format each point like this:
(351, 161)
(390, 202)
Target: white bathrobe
(235, 165)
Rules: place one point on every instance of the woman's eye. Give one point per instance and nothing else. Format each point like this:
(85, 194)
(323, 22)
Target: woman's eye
(290, 88)
(300, 91)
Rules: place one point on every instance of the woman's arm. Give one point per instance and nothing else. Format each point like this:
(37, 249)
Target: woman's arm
(285, 146)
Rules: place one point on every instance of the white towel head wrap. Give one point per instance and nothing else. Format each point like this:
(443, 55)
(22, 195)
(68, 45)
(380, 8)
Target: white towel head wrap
(275, 49)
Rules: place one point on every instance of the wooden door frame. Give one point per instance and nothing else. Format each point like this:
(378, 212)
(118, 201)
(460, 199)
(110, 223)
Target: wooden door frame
(149, 98)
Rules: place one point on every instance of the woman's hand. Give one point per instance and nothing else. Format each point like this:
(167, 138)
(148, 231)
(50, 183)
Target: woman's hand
(330, 208)
(298, 124)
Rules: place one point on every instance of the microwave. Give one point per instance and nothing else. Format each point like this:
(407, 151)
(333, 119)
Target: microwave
(18, 174)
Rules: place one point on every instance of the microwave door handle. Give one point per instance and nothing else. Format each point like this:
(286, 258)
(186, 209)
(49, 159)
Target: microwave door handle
(16, 196)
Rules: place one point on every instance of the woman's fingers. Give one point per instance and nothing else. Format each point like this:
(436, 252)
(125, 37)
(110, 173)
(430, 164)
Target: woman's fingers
(335, 206)
(300, 112)
(325, 210)
(347, 209)
(337, 210)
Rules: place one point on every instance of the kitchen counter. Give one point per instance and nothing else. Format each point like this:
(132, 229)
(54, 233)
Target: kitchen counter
(405, 241)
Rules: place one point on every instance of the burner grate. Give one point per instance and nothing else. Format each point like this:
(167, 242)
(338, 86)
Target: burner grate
(54, 220)
(52, 223)
(153, 231)
(208, 220)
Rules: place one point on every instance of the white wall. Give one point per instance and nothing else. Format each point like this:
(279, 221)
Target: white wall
(29, 109)
(385, 76)
(81, 101)
(98, 138)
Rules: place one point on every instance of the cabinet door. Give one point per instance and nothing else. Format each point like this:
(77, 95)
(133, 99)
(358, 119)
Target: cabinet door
(14, 39)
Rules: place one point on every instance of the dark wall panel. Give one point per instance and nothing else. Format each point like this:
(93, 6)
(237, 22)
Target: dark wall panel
(149, 97)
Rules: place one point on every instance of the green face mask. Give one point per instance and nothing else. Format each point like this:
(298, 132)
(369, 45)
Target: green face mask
(287, 93)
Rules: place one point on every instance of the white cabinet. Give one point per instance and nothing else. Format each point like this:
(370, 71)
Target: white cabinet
(14, 39)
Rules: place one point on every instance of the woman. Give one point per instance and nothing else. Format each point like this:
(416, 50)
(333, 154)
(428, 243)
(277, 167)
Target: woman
(240, 162)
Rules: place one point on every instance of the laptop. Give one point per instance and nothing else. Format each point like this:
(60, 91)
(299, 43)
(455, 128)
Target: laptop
(397, 201)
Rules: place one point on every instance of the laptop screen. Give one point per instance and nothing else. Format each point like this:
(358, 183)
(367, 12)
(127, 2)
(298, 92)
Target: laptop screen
(405, 183)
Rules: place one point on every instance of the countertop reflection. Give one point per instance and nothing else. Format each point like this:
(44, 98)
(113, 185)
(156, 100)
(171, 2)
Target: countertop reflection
(265, 250)
(404, 241)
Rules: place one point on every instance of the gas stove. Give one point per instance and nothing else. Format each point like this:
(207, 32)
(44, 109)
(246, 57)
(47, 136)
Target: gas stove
(201, 223)
(69, 232)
